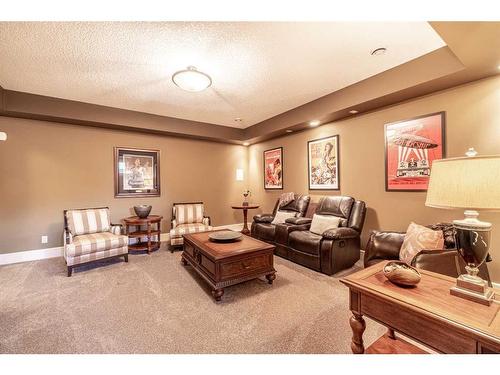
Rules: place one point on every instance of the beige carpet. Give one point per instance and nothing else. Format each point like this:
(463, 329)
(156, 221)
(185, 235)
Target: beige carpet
(155, 305)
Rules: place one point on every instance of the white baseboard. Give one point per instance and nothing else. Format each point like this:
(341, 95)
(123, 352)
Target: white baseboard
(54, 252)
(30, 255)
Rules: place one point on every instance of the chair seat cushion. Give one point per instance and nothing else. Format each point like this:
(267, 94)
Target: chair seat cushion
(265, 231)
(95, 242)
(305, 241)
(181, 229)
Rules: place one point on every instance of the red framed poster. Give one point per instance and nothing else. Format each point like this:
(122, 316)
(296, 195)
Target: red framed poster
(410, 148)
(273, 169)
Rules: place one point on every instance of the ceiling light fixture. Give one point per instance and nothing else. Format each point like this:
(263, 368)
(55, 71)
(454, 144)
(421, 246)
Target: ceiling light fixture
(353, 111)
(378, 51)
(3, 136)
(191, 79)
(238, 119)
(289, 130)
(498, 67)
(315, 123)
(246, 144)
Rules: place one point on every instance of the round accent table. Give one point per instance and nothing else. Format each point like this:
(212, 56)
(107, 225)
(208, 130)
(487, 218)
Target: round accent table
(134, 229)
(245, 209)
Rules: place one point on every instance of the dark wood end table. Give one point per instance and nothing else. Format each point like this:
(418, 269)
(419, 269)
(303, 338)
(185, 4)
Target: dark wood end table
(245, 209)
(426, 313)
(133, 228)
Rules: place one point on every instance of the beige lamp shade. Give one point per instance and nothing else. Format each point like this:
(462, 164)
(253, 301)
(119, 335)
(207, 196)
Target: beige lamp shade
(469, 183)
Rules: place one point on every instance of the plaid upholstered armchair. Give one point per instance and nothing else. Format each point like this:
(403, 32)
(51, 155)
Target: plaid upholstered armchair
(187, 218)
(90, 236)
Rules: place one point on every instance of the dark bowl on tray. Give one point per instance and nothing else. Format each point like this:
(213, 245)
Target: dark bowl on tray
(225, 236)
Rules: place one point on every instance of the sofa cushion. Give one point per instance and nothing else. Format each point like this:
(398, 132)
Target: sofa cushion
(265, 231)
(305, 241)
(418, 238)
(188, 213)
(95, 242)
(281, 217)
(93, 220)
(323, 223)
(179, 230)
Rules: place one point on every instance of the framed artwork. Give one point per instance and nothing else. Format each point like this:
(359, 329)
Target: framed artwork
(273, 169)
(410, 148)
(137, 172)
(323, 163)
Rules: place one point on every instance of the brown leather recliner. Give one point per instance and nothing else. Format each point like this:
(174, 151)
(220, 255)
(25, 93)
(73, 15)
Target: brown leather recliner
(262, 228)
(334, 250)
(386, 245)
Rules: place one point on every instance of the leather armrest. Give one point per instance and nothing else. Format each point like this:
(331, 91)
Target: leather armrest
(298, 220)
(340, 234)
(383, 246)
(263, 218)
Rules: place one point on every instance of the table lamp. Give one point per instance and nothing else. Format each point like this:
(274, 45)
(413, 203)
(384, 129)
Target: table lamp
(471, 183)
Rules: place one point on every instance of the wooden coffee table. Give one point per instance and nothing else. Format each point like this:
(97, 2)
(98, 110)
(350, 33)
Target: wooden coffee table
(225, 264)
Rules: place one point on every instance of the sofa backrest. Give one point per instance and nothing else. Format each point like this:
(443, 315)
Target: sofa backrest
(339, 206)
(188, 213)
(298, 205)
(87, 220)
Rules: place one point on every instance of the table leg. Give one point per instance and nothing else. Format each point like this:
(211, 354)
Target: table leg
(391, 334)
(184, 262)
(245, 225)
(358, 326)
(270, 277)
(149, 237)
(217, 294)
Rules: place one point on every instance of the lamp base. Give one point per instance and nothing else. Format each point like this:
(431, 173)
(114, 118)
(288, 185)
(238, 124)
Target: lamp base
(473, 290)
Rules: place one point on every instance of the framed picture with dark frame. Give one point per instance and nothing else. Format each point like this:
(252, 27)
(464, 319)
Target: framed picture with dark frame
(137, 172)
(273, 169)
(323, 163)
(410, 148)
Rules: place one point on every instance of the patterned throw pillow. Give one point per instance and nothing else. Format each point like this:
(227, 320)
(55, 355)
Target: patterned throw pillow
(286, 198)
(420, 238)
(321, 223)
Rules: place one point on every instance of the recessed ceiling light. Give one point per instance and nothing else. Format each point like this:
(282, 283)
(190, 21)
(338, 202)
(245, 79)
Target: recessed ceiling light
(315, 123)
(378, 51)
(191, 79)
(238, 119)
(289, 130)
(246, 143)
(353, 111)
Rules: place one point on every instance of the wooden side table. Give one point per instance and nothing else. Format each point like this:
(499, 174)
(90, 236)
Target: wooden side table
(427, 313)
(245, 209)
(133, 228)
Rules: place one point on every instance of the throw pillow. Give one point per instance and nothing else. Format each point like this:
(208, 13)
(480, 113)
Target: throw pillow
(418, 238)
(281, 216)
(321, 223)
(286, 198)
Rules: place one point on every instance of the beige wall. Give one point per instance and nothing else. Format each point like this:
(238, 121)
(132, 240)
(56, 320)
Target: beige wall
(48, 167)
(472, 120)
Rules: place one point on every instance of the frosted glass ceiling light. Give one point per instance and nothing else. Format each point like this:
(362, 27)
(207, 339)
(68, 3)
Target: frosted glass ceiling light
(3, 136)
(192, 79)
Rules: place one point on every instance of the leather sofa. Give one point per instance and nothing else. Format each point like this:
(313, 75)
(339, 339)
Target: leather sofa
(331, 252)
(262, 228)
(386, 245)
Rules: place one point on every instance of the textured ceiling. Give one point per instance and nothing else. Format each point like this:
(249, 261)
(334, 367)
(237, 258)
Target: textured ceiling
(259, 70)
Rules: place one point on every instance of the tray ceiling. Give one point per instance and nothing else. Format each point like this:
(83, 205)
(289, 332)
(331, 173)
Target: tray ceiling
(259, 69)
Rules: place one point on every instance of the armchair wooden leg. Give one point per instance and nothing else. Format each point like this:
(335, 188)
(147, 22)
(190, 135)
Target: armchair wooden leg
(125, 256)
(70, 271)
